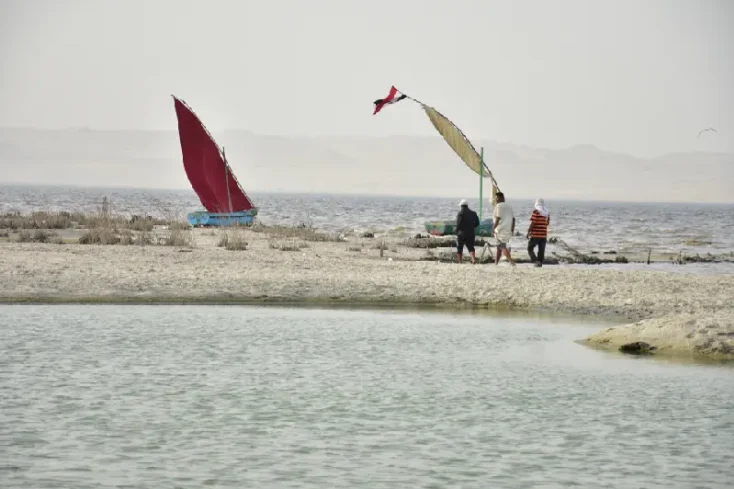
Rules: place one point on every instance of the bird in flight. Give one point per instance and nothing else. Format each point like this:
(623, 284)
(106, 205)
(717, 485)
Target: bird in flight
(704, 130)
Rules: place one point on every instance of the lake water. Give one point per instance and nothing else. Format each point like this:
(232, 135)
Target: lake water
(589, 226)
(269, 397)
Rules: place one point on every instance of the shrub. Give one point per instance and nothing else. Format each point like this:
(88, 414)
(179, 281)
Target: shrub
(99, 236)
(39, 236)
(233, 240)
(306, 233)
(178, 237)
(287, 245)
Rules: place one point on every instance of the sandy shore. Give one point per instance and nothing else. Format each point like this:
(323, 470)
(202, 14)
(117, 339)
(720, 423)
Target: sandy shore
(677, 313)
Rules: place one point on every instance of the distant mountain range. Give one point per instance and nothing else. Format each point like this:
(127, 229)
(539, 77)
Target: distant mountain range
(399, 165)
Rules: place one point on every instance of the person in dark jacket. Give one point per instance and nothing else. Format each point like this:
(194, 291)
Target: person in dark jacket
(466, 224)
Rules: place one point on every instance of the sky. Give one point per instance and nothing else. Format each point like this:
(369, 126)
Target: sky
(640, 77)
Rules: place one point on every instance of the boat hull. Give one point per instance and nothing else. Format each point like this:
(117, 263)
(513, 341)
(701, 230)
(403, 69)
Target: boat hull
(446, 228)
(220, 219)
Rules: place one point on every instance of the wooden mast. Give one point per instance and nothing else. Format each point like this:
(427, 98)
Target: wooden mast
(226, 179)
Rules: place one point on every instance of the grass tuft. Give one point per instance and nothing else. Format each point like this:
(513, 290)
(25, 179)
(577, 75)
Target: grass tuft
(233, 239)
(287, 245)
(39, 236)
(99, 236)
(303, 232)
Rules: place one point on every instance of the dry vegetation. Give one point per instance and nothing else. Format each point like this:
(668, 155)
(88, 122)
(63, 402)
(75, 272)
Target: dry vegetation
(39, 236)
(75, 220)
(100, 228)
(233, 239)
(110, 233)
(287, 244)
(100, 236)
(179, 234)
(105, 228)
(302, 232)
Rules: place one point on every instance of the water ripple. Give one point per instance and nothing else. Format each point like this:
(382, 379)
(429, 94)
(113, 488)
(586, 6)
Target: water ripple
(160, 396)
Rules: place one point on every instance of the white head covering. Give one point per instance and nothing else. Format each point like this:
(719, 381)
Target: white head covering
(540, 207)
(463, 203)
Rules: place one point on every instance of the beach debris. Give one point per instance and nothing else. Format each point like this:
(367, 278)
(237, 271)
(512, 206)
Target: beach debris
(707, 258)
(575, 256)
(436, 242)
(637, 348)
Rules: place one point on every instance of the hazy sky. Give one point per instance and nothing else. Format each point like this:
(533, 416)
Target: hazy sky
(638, 76)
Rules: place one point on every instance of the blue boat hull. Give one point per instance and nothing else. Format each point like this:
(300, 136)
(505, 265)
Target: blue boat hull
(205, 219)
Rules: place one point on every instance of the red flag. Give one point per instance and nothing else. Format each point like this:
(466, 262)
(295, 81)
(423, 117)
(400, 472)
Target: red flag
(392, 97)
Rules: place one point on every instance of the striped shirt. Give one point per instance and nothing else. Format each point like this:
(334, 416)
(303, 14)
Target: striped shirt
(539, 225)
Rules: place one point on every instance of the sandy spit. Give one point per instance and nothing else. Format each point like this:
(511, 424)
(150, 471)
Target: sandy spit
(710, 334)
(678, 313)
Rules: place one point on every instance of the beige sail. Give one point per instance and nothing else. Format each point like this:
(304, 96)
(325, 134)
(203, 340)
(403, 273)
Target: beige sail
(458, 142)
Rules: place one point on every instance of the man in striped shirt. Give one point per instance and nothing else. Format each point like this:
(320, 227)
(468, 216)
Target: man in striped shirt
(538, 232)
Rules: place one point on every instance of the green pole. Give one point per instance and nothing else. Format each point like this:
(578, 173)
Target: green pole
(481, 181)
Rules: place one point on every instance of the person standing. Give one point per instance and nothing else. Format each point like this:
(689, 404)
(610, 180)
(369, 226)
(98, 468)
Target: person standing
(466, 224)
(503, 228)
(538, 232)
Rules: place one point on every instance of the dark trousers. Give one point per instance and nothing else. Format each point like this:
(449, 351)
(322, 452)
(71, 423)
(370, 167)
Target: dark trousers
(540, 243)
(464, 240)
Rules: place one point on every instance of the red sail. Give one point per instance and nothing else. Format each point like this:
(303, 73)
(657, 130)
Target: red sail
(205, 166)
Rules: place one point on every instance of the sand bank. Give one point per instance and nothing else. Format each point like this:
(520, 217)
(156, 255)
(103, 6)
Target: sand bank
(710, 334)
(681, 313)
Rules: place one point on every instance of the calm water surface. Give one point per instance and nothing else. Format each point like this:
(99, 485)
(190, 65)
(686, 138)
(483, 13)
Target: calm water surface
(206, 396)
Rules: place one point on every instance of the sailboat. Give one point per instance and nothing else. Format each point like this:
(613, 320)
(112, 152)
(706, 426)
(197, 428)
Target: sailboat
(464, 150)
(210, 175)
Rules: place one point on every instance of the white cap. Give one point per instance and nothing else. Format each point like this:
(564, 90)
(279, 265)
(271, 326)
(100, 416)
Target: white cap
(463, 202)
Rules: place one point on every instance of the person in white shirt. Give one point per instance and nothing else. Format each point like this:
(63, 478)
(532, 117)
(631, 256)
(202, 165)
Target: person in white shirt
(504, 228)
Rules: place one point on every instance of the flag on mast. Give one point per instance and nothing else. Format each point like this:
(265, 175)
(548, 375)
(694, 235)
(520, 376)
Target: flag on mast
(456, 139)
(392, 97)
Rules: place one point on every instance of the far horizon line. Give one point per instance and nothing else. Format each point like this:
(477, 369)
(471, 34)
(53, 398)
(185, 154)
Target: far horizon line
(358, 194)
(364, 136)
